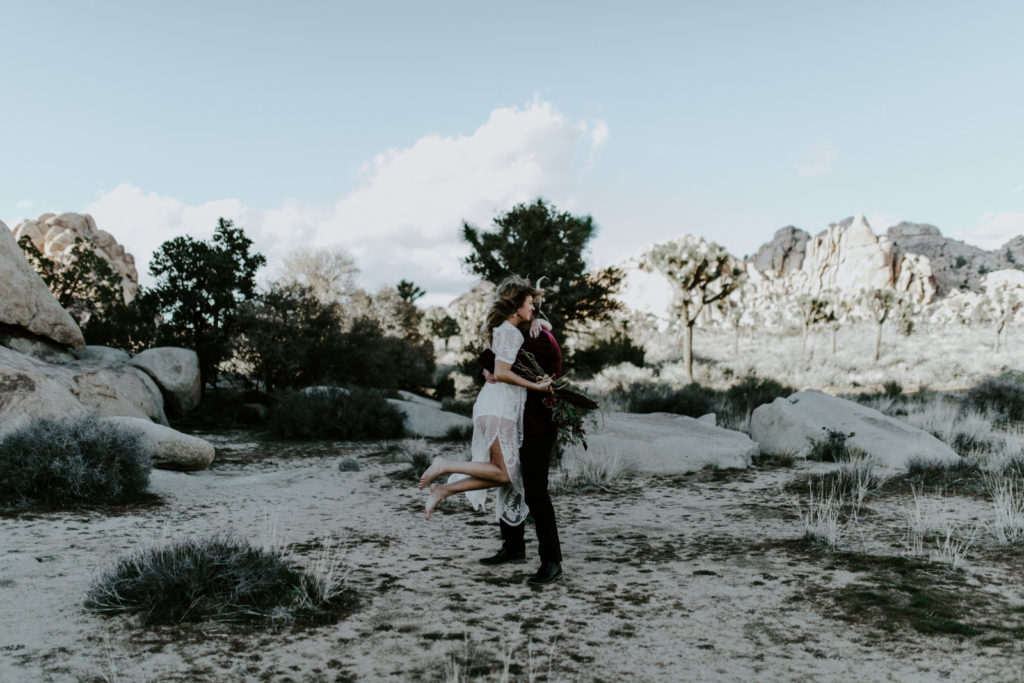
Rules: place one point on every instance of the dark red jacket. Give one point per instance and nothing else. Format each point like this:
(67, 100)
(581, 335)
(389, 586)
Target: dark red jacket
(536, 416)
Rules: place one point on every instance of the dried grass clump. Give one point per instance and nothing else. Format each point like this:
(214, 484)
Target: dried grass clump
(1000, 396)
(417, 453)
(1008, 509)
(221, 579)
(61, 463)
(822, 517)
(595, 469)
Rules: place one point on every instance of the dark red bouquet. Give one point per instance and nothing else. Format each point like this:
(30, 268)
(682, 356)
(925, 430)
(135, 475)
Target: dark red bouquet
(571, 407)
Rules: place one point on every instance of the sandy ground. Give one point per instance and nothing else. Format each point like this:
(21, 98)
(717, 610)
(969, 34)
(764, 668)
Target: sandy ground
(698, 577)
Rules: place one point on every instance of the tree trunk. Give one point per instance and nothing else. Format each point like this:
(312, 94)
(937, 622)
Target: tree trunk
(835, 331)
(688, 350)
(803, 342)
(736, 343)
(878, 341)
(998, 333)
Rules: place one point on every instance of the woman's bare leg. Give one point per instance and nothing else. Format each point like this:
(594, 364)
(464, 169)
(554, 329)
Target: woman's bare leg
(439, 492)
(493, 471)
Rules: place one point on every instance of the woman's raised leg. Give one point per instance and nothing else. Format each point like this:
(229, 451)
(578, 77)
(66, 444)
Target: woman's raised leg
(495, 470)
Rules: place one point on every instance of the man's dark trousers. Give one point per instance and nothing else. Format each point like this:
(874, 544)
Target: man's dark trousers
(534, 462)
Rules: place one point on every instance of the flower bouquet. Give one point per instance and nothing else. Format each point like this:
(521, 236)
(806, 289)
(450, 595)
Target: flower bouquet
(571, 407)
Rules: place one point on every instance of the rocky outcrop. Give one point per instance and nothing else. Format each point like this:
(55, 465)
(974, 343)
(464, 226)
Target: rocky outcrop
(784, 254)
(169, 448)
(793, 425)
(31, 388)
(176, 372)
(665, 443)
(26, 302)
(54, 235)
(955, 264)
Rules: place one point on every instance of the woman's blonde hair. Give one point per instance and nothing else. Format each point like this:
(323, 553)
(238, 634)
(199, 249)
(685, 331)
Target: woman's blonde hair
(508, 296)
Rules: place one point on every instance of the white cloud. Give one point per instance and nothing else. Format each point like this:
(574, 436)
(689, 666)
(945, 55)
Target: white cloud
(816, 160)
(405, 218)
(25, 204)
(993, 229)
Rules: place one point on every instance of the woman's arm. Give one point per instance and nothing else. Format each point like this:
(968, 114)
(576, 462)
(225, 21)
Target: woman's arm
(503, 373)
(535, 326)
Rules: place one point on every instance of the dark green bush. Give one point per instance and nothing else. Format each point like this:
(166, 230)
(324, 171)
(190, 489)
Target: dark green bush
(1004, 397)
(752, 391)
(618, 349)
(335, 412)
(444, 388)
(61, 463)
(892, 389)
(832, 448)
(692, 400)
(214, 579)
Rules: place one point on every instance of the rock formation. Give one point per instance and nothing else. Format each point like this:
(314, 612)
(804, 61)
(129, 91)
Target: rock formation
(664, 443)
(176, 372)
(784, 254)
(955, 264)
(25, 301)
(170, 449)
(54, 235)
(793, 425)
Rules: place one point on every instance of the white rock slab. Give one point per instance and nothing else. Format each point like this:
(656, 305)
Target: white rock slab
(426, 420)
(666, 443)
(176, 372)
(169, 448)
(793, 424)
(103, 353)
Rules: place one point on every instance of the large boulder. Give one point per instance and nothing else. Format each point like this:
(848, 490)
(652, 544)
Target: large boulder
(169, 448)
(31, 388)
(793, 425)
(54, 236)
(424, 417)
(27, 303)
(784, 254)
(176, 372)
(665, 443)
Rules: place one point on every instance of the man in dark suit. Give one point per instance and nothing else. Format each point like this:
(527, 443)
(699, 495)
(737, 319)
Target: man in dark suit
(539, 433)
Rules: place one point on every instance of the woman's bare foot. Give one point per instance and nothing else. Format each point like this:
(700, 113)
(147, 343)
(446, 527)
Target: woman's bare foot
(435, 470)
(438, 492)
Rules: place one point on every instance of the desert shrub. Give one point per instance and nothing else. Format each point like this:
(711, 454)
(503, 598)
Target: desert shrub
(444, 388)
(892, 389)
(460, 407)
(613, 351)
(692, 400)
(1000, 396)
(348, 464)
(334, 412)
(923, 473)
(595, 468)
(417, 454)
(456, 433)
(60, 463)
(832, 448)
(753, 391)
(217, 579)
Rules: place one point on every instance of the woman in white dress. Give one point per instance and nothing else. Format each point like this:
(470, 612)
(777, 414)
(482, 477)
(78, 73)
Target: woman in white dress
(497, 416)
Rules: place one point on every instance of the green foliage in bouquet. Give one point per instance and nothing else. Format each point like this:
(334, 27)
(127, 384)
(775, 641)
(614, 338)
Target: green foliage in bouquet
(572, 406)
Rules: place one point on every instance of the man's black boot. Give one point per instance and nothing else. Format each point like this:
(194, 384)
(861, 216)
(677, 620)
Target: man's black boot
(549, 572)
(504, 555)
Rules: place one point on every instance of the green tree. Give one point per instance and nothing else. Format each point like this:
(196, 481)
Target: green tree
(537, 241)
(445, 328)
(409, 292)
(85, 284)
(700, 273)
(199, 288)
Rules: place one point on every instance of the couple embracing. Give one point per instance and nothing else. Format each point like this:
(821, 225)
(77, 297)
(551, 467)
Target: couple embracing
(513, 432)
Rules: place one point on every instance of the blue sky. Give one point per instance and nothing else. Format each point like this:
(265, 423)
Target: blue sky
(379, 127)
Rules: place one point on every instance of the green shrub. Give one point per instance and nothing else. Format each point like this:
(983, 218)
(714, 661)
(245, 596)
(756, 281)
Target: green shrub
(892, 389)
(614, 351)
(335, 412)
(444, 388)
(692, 400)
(61, 463)
(1003, 397)
(832, 448)
(459, 407)
(216, 579)
(753, 391)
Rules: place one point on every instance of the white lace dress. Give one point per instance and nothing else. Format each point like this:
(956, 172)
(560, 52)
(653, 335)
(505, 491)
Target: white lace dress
(498, 415)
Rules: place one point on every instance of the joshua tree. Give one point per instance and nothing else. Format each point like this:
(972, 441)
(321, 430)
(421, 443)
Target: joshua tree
(880, 303)
(1003, 300)
(700, 273)
(814, 311)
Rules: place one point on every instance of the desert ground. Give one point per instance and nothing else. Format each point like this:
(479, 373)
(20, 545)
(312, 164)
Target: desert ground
(706, 576)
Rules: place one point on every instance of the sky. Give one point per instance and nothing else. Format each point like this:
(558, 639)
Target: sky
(380, 127)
